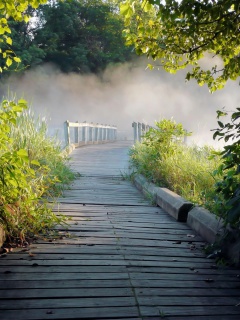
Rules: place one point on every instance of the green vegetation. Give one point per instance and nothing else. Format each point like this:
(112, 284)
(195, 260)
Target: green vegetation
(30, 167)
(228, 187)
(164, 159)
(75, 35)
(15, 11)
(179, 33)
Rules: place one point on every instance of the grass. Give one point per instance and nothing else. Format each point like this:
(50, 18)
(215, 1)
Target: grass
(186, 170)
(32, 169)
(31, 134)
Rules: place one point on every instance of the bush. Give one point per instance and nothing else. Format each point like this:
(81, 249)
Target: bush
(25, 174)
(228, 187)
(165, 160)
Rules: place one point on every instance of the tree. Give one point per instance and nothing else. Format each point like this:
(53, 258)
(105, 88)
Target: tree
(179, 33)
(81, 36)
(14, 10)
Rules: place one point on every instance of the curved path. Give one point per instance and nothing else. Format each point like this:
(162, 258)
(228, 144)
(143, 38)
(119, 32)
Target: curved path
(120, 258)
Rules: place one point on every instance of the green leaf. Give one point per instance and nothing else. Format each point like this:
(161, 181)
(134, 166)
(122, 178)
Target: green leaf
(9, 40)
(22, 154)
(17, 59)
(9, 62)
(35, 162)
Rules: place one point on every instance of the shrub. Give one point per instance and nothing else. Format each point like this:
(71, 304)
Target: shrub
(24, 177)
(228, 186)
(165, 160)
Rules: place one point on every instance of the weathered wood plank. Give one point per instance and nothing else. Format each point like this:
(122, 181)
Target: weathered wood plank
(204, 310)
(189, 301)
(186, 292)
(76, 282)
(92, 302)
(81, 256)
(65, 292)
(6, 271)
(73, 313)
(207, 283)
(111, 262)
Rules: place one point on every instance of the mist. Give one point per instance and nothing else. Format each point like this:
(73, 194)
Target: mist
(121, 95)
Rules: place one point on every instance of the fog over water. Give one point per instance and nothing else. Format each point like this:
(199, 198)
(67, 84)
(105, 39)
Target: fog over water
(123, 94)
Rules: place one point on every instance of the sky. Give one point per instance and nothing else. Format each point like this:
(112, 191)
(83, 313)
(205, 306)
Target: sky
(121, 95)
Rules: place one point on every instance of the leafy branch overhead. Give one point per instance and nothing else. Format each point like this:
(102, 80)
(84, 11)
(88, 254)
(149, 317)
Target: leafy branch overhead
(179, 34)
(15, 10)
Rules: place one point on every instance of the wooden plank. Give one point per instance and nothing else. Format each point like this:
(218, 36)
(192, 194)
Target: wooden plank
(186, 292)
(33, 256)
(66, 283)
(189, 301)
(65, 293)
(73, 313)
(71, 263)
(87, 302)
(189, 311)
(138, 283)
(52, 276)
(5, 271)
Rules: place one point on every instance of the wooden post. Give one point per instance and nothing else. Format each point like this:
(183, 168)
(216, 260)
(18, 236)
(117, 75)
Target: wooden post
(139, 131)
(76, 134)
(135, 131)
(67, 133)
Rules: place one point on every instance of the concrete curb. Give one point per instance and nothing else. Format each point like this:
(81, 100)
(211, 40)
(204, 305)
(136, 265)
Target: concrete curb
(171, 202)
(205, 223)
(175, 205)
(199, 219)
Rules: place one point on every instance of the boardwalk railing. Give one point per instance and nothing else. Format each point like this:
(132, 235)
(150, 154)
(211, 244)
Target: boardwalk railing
(139, 129)
(84, 133)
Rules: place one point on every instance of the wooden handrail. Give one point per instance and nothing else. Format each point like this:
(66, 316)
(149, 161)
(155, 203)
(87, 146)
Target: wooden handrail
(88, 133)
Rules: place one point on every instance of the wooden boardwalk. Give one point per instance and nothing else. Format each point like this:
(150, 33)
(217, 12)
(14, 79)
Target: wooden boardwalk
(121, 257)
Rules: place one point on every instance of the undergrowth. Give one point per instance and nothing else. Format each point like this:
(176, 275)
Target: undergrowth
(164, 159)
(32, 168)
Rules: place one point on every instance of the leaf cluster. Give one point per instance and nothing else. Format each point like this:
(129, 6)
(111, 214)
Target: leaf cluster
(228, 188)
(179, 33)
(24, 178)
(16, 11)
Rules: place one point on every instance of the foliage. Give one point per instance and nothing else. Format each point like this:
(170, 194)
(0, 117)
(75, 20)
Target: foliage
(228, 188)
(165, 160)
(31, 133)
(23, 179)
(179, 33)
(15, 10)
(76, 35)
(81, 36)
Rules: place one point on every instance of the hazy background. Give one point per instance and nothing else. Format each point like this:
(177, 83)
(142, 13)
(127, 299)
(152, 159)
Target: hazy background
(123, 94)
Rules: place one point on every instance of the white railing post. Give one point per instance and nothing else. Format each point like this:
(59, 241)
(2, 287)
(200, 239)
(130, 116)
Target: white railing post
(139, 131)
(76, 134)
(67, 133)
(135, 131)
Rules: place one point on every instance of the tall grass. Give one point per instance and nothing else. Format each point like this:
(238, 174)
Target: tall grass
(32, 167)
(31, 134)
(186, 170)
